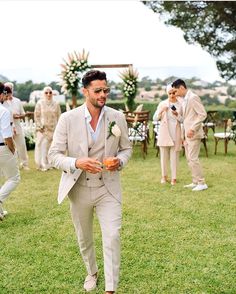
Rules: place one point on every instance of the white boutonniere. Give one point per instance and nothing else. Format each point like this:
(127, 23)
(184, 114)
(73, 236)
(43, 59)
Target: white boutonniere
(113, 130)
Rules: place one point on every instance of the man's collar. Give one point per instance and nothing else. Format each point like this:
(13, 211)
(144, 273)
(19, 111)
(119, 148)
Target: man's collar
(88, 115)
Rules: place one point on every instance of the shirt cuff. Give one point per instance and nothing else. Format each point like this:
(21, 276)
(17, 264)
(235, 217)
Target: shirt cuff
(72, 165)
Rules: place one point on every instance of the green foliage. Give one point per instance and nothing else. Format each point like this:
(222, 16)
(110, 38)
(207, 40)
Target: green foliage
(23, 90)
(208, 23)
(231, 91)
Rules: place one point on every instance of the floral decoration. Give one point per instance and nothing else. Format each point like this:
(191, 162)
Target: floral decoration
(113, 130)
(130, 80)
(72, 70)
(29, 129)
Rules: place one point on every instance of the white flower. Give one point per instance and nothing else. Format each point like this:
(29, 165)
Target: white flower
(116, 131)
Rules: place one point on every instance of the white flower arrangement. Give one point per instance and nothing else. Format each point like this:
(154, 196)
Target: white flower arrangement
(113, 130)
(130, 80)
(71, 71)
(29, 129)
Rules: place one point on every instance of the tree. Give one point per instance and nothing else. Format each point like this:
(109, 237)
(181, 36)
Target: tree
(212, 24)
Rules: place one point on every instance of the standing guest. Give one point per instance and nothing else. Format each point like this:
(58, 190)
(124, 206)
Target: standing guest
(8, 159)
(19, 137)
(46, 115)
(83, 138)
(169, 112)
(193, 116)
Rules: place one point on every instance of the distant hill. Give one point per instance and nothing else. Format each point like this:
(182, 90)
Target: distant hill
(3, 79)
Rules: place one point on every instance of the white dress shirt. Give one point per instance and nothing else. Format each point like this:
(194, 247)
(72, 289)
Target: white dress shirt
(5, 124)
(94, 133)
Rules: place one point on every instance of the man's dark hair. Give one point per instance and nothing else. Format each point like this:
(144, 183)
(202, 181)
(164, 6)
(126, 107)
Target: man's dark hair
(93, 75)
(7, 90)
(176, 84)
(1, 88)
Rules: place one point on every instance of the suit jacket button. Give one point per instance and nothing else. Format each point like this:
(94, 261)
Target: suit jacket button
(87, 179)
(100, 179)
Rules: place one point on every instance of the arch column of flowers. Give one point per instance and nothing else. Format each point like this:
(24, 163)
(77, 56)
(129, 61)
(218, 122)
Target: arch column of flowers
(71, 73)
(130, 79)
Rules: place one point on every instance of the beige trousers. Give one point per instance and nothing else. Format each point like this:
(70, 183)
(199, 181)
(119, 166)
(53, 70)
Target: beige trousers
(83, 202)
(167, 154)
(192, 150)
(8, 169)
(19, 140)
(41, 151)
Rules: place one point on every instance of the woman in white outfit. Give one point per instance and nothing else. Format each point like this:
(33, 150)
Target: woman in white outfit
(169, 112)
(46, 115)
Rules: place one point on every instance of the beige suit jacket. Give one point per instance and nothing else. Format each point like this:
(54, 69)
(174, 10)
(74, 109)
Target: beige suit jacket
(70, 142)
(164, 138)
(194, 114)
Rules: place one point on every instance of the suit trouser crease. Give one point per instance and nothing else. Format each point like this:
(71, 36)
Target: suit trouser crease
(84, 200)
(192, 150)
(168, 153)
(21, 148)
(9, 169)
(41, 151)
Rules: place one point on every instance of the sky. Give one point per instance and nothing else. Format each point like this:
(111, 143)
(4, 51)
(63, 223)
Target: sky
(37, 35)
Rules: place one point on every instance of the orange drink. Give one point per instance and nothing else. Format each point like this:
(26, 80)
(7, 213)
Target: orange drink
(108, 161)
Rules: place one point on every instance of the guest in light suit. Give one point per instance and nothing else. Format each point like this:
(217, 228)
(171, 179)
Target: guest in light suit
(169, 112)
(193, 116)
(83, 138)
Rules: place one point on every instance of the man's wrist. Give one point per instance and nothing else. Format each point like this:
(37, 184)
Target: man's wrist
(120, 164)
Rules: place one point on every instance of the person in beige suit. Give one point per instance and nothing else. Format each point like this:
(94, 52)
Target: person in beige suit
(84, 138)
(193, 116)
(169, 112)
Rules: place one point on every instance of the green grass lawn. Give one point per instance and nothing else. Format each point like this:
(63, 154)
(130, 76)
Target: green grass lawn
(173, 240)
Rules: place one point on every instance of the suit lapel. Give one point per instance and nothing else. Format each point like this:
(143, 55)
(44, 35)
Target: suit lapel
(108, 141)
(186, 98)
(82, 130)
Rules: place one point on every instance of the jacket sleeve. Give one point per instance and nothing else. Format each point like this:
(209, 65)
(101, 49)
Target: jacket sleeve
(158, 113)
(200, 113)
(57, 154)
(125, 147)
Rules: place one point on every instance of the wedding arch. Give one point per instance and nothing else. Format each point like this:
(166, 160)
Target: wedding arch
(77, 64)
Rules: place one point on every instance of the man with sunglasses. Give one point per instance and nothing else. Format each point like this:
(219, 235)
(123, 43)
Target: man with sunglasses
(8, 159)
(83, 139)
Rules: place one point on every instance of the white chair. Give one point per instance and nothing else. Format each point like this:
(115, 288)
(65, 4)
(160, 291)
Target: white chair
(139, 130)
(225, 136)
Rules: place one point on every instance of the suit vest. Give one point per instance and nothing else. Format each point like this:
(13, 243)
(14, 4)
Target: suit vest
(95, 150)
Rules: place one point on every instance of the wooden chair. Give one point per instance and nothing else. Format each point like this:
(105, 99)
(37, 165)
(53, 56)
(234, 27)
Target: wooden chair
(139, 129)
(156, 126)
(210, 121)
(224, 136)
(204, 139)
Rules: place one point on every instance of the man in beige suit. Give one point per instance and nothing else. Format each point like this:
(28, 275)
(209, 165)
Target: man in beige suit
(193, 116)
(83, 138)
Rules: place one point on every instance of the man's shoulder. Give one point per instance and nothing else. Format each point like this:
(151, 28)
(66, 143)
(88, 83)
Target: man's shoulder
(73, 112)
(15, 99)
(112, 111)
